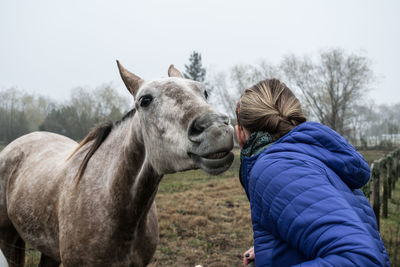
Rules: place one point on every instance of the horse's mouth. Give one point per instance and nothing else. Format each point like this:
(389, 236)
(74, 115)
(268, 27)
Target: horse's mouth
(218, 155)
(213, 163)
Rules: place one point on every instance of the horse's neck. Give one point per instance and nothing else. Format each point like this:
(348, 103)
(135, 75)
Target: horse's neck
(133, 182)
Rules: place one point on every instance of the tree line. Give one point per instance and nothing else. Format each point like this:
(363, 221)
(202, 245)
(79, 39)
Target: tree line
(21, 112)
(332, 85)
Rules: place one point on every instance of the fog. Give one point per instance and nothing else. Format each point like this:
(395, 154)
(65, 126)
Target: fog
(50, 47)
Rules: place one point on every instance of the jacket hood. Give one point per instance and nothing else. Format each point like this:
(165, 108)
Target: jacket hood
(324, 144)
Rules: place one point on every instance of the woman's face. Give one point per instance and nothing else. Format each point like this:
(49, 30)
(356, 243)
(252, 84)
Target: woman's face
(242, 135)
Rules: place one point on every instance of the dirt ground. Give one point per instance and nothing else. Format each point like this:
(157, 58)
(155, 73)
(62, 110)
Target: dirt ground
(207, 223)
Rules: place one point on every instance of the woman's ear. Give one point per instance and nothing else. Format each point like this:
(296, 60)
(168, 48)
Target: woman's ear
(242, 135)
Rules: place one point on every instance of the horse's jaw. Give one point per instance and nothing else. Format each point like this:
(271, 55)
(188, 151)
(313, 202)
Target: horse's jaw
(215, 163)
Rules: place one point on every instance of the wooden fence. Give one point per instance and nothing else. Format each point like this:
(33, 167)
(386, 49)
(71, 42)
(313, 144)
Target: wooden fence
(384, 174)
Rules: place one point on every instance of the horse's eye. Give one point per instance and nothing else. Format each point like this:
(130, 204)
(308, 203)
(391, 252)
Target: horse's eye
(145, 100)
(205, 94)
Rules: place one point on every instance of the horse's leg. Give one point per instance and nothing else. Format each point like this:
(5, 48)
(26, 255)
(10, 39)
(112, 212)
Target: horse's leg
(46, 261)
(12, 246)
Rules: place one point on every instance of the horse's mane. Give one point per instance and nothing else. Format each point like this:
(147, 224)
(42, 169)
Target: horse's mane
(97, 134)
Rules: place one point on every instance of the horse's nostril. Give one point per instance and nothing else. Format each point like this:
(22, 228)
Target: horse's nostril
(196, 128)
(225, 120)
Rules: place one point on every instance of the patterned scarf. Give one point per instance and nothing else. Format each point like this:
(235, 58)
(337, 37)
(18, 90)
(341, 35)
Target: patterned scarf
(257, 143)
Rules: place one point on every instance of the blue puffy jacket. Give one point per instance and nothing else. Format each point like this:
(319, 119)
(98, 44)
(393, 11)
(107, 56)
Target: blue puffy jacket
(307, 208)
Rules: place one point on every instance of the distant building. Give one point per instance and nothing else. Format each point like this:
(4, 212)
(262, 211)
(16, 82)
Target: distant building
(384, 140)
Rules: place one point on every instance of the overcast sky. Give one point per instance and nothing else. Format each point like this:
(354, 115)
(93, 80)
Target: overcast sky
(50, 47)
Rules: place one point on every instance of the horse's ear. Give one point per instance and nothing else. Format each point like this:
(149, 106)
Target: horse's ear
(173, 72)
(132, 82)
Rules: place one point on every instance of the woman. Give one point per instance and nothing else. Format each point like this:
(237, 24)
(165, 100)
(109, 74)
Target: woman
(303, 182)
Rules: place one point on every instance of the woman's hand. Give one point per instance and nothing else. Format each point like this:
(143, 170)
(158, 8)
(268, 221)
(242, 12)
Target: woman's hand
(248, 256)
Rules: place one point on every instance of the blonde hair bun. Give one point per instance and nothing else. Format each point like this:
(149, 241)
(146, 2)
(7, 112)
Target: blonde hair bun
(270, 106)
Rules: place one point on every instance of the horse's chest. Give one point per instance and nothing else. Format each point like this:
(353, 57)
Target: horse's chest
(104, 254)
(109, 244)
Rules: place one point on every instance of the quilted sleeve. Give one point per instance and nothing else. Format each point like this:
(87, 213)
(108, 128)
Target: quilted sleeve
(297, 203)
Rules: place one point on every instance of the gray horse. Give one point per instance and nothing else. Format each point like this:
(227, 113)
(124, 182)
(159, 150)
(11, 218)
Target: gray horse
(92, 204)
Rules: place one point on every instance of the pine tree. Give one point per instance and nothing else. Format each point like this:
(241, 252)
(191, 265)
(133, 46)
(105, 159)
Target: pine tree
(195, 70)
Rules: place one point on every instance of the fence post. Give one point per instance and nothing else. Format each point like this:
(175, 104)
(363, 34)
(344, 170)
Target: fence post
(397, 153)
(383, 173)
(389, 167)
(376, 205)
(395, 167)
(394, 170)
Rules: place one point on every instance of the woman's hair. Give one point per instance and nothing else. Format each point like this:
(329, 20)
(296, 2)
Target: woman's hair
(269, 106)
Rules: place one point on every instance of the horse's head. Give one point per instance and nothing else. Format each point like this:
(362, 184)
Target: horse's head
(179, 129)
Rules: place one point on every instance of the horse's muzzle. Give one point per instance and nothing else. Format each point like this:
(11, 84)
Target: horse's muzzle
(211, 138)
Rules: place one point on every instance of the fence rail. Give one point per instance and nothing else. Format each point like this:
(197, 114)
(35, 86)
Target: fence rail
(384, 174)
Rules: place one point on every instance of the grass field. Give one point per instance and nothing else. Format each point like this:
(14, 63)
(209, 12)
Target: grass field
(206, 220)
(203, 220)
(390, 229)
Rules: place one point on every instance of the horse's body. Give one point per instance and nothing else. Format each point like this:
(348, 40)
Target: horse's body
(106, 215)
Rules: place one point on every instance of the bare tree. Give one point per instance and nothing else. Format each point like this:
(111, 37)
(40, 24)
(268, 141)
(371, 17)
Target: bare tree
(332, 85)
(85, 108)
(222, 96)
(36, 108)
(364, 116)
(111, 105)
(245, 75)
(225, 92)
(13, 119)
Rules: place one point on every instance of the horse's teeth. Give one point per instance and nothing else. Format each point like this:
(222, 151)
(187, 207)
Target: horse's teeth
(217, 155)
